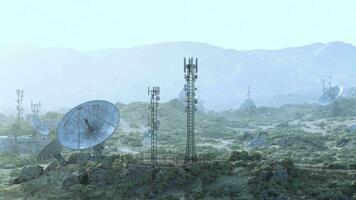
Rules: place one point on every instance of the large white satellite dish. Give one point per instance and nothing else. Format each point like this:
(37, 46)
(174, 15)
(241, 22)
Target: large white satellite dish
(330, 95)
(88, 124)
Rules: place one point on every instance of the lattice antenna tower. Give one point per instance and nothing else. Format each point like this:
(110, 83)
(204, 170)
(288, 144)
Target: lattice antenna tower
(19, 107)
(190, 75)
(153, 121)
(35, 107)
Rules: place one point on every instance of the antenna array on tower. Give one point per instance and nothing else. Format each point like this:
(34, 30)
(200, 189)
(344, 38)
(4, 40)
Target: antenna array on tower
(35, 107)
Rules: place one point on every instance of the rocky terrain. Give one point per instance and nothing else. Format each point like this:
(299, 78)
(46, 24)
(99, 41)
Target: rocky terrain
(291, 152)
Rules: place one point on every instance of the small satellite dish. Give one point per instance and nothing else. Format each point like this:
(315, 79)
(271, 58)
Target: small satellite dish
(330, 95)
(39, 126)
(88, 124)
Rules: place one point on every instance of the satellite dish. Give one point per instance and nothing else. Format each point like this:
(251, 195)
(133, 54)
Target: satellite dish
(39, 126)
(352, 127)
(52, 150)
(88, 124)
(330, 95)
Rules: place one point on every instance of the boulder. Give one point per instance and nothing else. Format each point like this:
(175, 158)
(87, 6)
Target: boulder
(238, 155)
(29, 173)
(83, 177)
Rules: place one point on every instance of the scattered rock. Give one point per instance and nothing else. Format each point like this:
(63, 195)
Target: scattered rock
(246, 136)
(342, 142)
(29, 173)
(79, 158)
(238, 155)
(83, 177)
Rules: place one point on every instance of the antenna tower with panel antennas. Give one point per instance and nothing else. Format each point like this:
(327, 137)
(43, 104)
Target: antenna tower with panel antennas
(153, 121)
(35, 107)
(19, 108)
(87, 125)
(248, 105)
(190, 75)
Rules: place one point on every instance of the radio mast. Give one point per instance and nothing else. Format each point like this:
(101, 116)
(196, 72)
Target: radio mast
(19, 108)
(190, 75)
(153, 121)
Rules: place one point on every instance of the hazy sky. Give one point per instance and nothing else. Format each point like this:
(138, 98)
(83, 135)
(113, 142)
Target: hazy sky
(238, 24)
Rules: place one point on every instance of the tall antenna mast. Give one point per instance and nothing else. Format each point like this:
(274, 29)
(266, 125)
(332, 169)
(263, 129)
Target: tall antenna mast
(190, 70)
(19, 108)
(248, 92)
(153, 121)
(35, 107)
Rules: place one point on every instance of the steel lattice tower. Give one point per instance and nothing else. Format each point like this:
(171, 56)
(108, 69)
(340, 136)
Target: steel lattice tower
(190, 70)
(153, 121)
(35, 107)
(19, 108)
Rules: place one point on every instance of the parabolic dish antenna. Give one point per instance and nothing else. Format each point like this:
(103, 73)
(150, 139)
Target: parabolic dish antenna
(88, 124)
(39, 126)
(50, 150)
(330, 95)
(353, 127)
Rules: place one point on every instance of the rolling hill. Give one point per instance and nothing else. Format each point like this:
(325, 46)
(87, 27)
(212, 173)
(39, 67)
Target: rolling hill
(62, 77)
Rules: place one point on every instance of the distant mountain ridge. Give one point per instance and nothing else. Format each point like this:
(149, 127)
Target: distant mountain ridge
(62, 77)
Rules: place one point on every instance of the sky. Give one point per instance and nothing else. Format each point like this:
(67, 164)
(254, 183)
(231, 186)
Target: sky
(90, 25)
